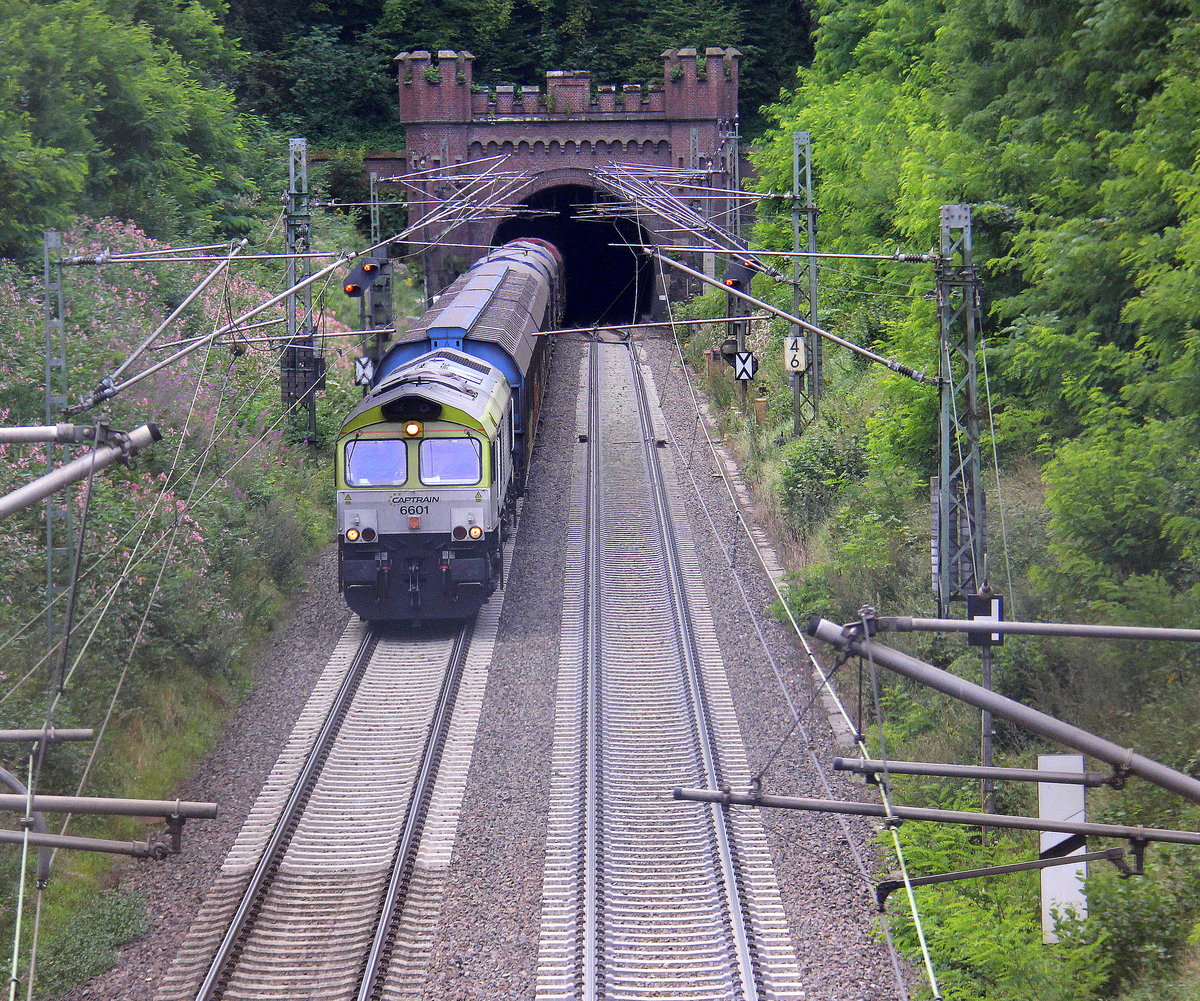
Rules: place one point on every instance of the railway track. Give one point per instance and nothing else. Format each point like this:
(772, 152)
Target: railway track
(644, 896)
(335, 882)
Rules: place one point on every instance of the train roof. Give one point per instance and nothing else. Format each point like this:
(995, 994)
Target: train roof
(501, 299)
(463, 389)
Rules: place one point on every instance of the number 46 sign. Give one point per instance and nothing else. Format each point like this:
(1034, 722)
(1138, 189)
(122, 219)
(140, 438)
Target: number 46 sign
(794, 359)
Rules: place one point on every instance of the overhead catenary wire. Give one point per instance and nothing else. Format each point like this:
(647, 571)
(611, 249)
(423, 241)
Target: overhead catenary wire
(895, 366)
(115, 545)
(102, 391)
(987, 387)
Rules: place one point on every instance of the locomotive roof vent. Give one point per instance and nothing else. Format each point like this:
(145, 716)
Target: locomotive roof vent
(411, 408)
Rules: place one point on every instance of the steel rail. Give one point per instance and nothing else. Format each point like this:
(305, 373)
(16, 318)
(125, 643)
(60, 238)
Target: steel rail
(687, 647)
(232, 941)
(374, 971)
(593, 760)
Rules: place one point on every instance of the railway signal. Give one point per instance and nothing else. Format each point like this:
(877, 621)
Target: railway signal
(739, 273)
(362, 277)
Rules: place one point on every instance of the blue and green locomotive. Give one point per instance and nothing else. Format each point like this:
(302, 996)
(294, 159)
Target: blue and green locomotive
(430, 464)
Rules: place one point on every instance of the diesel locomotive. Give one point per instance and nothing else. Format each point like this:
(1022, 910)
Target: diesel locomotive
(430, 464)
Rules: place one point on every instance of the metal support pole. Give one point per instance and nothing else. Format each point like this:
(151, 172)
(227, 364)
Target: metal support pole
(62, 434)
(1114, 855)
(50, 736)
(737, 312)
(60, 526)
(301, 369)
(735, 163)
(72, 472)
(138, 849)
(806, 401)
(377, 304)
(1124, 759)
(1126, 831)
(109, 807)
(877, 766)
(959, 547)
(908, 624)
(987, 736)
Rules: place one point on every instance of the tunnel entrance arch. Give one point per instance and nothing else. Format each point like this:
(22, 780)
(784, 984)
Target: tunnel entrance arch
(605, 283)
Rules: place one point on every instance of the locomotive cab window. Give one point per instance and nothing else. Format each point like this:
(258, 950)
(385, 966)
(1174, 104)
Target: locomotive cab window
(451, 462)
(376, 462)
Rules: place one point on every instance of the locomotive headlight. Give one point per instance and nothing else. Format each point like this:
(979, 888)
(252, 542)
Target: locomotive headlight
(368, 534)
(413, 428)
(459, 533)
(352, 535)
(475, 532)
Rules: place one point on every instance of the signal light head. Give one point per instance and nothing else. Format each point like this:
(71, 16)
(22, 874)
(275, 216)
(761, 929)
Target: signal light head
(361, 277)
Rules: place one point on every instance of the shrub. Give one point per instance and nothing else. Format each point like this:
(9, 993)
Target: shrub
(817, 467)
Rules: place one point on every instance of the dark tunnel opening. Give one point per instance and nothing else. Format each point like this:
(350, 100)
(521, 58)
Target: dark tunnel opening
(605, 284)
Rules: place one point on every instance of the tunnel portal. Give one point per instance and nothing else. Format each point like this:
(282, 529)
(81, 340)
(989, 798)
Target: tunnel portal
(605, 283)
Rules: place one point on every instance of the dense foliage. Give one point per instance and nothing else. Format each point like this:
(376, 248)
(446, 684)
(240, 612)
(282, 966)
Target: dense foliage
(122, 109)
(1071, 127)
(326, 68)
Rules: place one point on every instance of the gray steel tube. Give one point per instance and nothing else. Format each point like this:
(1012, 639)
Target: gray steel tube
(138, 849)
(72, 472)
(53, 735)
(113, 807)
(872, 766)
(47, 432)
(907, 624)
(942, 816)
(1122, 758)
(45, 856)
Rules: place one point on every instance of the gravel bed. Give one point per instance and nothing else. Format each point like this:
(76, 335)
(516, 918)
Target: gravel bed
(490, 922)
(291, 660)
(489, 925)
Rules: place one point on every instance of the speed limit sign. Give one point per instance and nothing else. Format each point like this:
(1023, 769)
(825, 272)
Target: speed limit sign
(794, 359)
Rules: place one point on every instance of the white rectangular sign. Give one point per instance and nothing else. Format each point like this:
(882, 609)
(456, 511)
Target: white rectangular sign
(793, 353)
(1062, 888)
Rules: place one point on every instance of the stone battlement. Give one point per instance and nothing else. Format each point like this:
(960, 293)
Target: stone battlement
(694, 87)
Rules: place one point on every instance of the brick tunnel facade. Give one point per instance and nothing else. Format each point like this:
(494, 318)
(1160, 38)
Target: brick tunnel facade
(557, 137)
